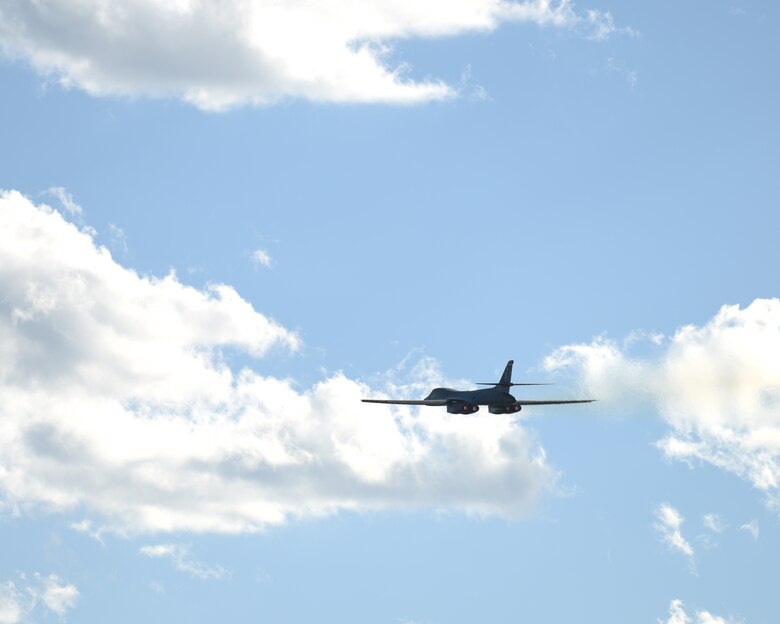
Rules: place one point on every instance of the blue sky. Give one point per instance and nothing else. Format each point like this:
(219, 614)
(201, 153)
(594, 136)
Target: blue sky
(258, 216)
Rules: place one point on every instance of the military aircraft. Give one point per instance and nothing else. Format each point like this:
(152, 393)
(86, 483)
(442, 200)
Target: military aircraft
(497, 398)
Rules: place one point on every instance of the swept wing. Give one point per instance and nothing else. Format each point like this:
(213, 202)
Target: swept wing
(553, 402)
(432, 402)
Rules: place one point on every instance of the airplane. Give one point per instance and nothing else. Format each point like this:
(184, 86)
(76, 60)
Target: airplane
(497, 398)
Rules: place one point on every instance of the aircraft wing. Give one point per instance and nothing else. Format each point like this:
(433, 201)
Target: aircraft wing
(432, 402)
(553, 402)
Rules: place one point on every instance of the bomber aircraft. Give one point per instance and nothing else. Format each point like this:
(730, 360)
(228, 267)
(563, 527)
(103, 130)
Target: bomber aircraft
(497, 398)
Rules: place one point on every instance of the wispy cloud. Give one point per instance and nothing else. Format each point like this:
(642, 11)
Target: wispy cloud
(183, 562)
(217, 55)
(157, 587)
(668, 524)
(85, 526)
(714, 526)
(631, 77)
(714, 523)
(472, 91)
(751, 528)
(118, 239)
(66, 200)
(603, 26)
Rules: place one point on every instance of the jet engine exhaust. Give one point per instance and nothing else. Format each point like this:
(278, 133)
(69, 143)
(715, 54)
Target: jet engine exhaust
(462, 408)
(504, 409)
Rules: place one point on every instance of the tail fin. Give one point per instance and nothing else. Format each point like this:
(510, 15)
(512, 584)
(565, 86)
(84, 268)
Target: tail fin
(506, 378)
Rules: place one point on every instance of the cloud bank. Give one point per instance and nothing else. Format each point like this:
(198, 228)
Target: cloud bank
(717, 386)
(116, 402)
(221, 54)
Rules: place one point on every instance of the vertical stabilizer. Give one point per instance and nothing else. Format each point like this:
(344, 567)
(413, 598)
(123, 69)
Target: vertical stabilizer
(506, 378)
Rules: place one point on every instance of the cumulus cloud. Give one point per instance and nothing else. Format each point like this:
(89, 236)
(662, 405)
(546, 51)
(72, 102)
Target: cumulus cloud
(677, 615)
(116, 401)
(716, 385)
(222, 54)
(21, 597)
(183, 562)
(668, 524)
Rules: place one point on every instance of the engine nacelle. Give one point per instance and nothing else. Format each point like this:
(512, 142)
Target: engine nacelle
(462, 408)
(504, 409)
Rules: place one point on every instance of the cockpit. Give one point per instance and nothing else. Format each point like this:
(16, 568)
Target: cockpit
(439, 393)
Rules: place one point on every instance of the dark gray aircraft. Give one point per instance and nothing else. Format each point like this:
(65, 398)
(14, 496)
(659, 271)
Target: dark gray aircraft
(497, 398)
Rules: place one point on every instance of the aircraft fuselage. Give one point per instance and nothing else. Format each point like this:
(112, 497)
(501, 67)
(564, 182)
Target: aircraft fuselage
(467, 401)
(483, 396)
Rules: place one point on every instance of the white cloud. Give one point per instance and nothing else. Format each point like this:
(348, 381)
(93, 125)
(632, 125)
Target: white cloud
(261, 257)
(58, 596)
(668, 524)
(677, 615)
(717, 386)
(180, 555)
(117, 401)
(752, 528)
(222, 54)
(18, 599)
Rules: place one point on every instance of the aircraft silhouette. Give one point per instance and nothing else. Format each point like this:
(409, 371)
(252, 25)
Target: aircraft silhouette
(497, 398)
